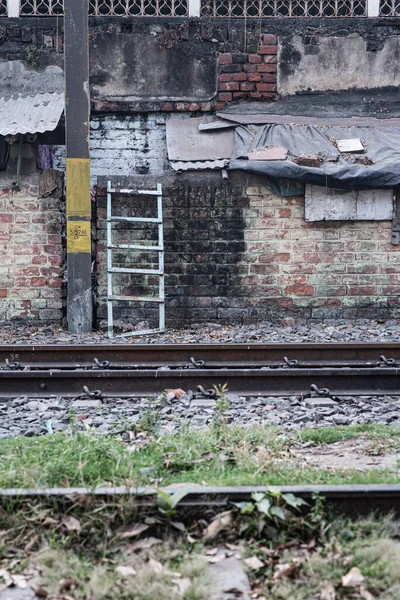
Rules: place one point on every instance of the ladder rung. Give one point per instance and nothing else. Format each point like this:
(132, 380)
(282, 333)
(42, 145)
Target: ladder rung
(135, 192)
(137, 299)
(135, 219)
(138, 271)
(135, 247)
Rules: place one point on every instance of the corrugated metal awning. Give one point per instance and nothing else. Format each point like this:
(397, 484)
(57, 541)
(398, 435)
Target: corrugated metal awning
(30, 114)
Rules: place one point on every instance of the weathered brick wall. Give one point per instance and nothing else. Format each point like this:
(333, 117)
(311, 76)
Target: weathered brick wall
(124, 145)
(236, 252)
(30, 238)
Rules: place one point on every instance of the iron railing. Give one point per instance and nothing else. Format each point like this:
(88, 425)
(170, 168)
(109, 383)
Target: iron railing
(3, 8)
(110, 8)
(285, 8)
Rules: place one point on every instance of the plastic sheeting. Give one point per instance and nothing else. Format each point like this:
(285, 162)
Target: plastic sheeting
(340, 171)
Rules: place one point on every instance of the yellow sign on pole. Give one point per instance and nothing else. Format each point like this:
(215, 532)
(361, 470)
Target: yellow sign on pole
(78, 237)
(78, 190)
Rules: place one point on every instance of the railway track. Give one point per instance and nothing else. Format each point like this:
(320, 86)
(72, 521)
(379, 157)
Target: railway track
(352, 500)
(247, 369)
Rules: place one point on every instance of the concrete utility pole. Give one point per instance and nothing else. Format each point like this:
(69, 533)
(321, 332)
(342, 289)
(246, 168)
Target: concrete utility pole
(78, 213)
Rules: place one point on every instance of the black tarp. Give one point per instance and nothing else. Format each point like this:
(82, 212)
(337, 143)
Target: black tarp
(340, 171)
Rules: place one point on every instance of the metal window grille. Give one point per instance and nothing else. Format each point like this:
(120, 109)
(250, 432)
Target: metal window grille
(285, 8)
(107, 8)
(41, 7)
(3, 8)
(389, 8)
(140, 8)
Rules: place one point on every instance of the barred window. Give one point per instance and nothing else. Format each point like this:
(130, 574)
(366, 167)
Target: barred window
(41, 7)
(389, 8)
(118, 8)
(285, 8)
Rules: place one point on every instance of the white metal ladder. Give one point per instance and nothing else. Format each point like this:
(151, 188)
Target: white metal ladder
(158, 248)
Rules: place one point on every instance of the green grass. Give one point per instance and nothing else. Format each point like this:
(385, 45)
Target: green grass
(227, 456)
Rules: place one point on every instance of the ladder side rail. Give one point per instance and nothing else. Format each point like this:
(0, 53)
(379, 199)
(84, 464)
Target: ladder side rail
(161, 259)
(110, 318)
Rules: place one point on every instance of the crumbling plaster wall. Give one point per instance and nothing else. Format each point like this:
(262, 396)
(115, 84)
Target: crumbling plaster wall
(321, 63)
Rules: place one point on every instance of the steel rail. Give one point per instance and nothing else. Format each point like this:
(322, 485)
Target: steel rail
(215, 355)
(352, 500)
(253, 382)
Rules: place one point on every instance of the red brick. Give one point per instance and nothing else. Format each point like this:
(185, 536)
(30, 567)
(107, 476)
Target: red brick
(285, 213)
(255, 95)
(250, 68)
(219, 105)
(193, 107)
(38, 281)
(267, 50)
(362, 290)
(230, 68)
(270, 58)
(254, 58)
(6, 218)
(225, 59)
(299, 290)
(167, 106)
(268, 96)
(269, 40)
(54, 282)
(266, 87)
(240, 77)
(267, 68)
(254, 77)
(239, 95)
(231, 86)
(206, 106)
(247, 87)
(225, 97)
(3, 293)
(224, 77)
(269, 77)
(282, 257)
(180, 106)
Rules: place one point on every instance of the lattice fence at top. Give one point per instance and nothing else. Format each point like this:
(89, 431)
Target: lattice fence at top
(285, 8)
(3, 8)
(108, 8)
(389, 8)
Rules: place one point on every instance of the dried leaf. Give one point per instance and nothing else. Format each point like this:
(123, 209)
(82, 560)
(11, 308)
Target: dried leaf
(191, 539)
(284, 570)
(143, 544)
(327, 591)
(40, 591)
(19, 581)
(353, 578)
(179, 526)
(156, 566)
(6, 577)
(30, 545)
(182, 584)
(177, 393)
(253, 563)
(3, 533)
(213, 560)
(132, 530)
(365, 594)
(220, 522)
(71, 523)
(212, 552)
(125, 571)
